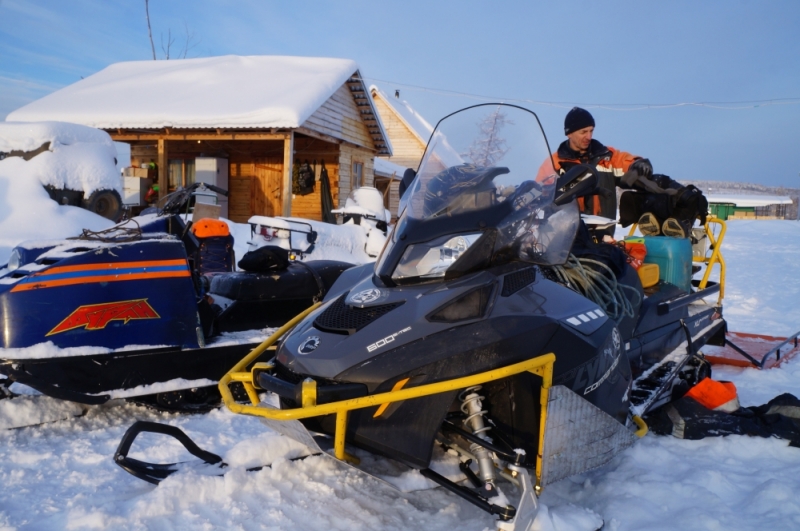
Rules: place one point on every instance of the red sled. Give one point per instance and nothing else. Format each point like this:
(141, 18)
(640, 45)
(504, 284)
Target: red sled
(753, 350)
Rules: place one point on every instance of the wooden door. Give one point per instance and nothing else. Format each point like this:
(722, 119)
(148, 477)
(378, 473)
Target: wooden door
(267, 197)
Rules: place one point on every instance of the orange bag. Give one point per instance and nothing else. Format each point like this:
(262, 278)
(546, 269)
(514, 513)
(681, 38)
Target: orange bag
(207, 227)
(636, 252)
(719, 396)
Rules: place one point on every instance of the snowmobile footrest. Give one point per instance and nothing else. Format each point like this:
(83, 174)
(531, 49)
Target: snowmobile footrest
(155, 473)
(505, 513)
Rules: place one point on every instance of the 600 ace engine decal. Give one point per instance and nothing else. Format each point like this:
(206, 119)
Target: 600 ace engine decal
(106, 272)
(97, 316)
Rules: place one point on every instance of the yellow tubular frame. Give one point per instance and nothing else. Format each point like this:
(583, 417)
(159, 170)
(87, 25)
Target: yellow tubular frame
(541, 365)
(715, 244)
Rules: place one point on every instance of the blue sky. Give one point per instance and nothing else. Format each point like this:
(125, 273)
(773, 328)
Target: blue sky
(628, 62)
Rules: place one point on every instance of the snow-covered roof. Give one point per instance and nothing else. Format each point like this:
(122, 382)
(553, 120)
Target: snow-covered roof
(748, 201)
(226, 91)
(384, 167)
(416, 123)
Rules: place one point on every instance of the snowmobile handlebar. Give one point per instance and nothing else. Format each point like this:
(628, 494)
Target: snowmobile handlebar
(178, 201)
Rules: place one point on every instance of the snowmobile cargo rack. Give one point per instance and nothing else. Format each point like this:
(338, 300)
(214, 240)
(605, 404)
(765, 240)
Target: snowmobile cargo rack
(716, 258)
(540, 365)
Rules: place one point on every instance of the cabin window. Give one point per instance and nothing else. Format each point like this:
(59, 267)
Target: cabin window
(358, 174)
(181, 173)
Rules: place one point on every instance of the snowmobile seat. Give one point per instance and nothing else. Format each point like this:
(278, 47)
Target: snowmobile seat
(255, 300)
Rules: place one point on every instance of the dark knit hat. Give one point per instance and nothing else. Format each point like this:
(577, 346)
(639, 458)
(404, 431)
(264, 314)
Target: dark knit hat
(577, 119)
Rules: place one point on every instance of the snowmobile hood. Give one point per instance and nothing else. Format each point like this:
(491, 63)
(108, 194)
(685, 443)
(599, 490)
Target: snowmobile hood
(353, 328)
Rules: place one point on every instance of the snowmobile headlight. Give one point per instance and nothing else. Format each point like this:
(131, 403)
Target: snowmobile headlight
(14, 260)
(432, 259)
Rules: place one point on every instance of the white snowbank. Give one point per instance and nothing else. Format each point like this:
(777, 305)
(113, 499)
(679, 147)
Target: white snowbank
(226, 91)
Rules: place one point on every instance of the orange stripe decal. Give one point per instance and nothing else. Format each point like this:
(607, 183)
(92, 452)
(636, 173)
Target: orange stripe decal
(27, 286)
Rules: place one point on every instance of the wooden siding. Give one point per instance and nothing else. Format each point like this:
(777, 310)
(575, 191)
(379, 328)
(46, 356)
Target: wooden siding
(340, 118)
(347, 155)
(407, 148)
(390, 190)
(315, 152)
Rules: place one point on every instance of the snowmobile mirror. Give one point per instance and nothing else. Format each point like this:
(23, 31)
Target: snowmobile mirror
(312, 236)
(408, 177)
(579, 181)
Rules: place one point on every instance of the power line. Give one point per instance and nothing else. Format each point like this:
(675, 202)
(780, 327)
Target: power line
(723, 105)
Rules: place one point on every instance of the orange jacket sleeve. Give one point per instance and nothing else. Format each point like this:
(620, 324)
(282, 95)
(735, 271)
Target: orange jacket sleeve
(621, 160)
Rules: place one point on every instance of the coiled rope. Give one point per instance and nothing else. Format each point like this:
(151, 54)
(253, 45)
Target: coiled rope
(599, 286)
(116, 234)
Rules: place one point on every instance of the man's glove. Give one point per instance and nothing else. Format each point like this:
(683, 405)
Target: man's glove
(642, 167)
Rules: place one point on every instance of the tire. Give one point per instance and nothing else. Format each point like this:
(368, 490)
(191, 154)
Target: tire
(106, 203)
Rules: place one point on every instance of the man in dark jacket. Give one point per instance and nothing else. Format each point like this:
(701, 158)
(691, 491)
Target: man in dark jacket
(617, 168)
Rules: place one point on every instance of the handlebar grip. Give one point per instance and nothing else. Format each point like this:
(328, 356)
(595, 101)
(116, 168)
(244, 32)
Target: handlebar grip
(217, 189)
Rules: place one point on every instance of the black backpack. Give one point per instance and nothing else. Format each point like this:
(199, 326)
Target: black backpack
(303, 179)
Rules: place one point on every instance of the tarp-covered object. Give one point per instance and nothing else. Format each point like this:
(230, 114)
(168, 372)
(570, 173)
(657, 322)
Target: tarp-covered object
(686, 418)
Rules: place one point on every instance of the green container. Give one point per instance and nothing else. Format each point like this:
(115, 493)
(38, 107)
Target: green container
(673, 256)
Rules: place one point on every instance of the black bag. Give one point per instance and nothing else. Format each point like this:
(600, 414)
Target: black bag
(303, 179)
(685, 206)
(263, 259)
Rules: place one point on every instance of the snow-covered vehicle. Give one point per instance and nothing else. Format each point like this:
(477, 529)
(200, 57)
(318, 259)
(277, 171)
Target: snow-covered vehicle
(76, 164)
(362, 232)
(478, 331)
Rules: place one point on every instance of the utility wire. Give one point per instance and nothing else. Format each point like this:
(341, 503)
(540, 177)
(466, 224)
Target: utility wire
(723, 105)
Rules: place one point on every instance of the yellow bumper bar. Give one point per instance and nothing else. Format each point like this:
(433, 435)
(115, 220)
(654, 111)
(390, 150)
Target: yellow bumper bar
(541, 365)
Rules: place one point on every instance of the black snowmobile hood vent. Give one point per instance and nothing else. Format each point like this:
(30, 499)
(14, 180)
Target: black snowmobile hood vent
(513, 282)
(340, 318)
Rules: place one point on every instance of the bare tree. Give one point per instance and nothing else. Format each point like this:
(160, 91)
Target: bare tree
(166, 46)
(490, 146)
(149, 31)
(170, 42)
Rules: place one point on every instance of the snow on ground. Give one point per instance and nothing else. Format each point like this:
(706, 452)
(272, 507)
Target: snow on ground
(61, 475)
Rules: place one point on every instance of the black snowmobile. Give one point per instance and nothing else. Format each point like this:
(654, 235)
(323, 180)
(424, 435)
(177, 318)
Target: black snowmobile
(480, 331)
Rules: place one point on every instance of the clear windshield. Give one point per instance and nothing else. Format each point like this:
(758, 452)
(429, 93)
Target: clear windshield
(487, 165)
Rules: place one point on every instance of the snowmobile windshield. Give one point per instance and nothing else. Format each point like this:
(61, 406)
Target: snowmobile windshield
(483, 195)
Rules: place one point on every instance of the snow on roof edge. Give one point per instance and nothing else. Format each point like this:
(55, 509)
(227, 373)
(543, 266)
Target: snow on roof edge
(746, 201)
(403, 118)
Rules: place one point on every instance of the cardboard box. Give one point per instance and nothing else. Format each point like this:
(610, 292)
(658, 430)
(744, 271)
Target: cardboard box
(142, 173)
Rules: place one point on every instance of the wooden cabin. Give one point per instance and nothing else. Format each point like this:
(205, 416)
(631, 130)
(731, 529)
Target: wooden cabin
(408, 135)
(253, 118)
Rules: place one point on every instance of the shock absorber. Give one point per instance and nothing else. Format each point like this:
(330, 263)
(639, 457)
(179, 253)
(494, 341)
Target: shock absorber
(472, 407)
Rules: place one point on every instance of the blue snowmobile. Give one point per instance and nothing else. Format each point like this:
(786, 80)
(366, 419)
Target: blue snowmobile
(152, 300)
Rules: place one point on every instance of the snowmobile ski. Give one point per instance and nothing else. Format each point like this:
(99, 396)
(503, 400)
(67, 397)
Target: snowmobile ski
(207, 463)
